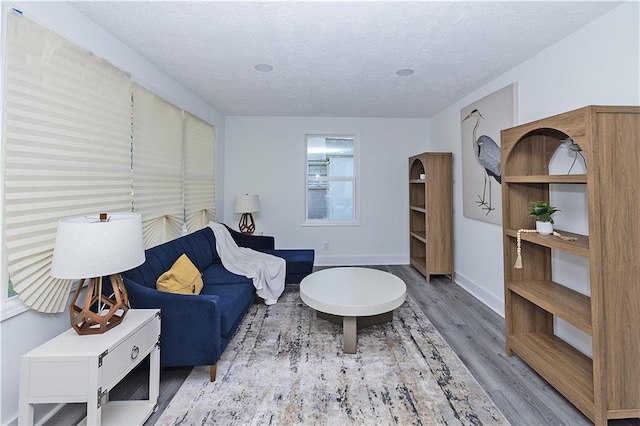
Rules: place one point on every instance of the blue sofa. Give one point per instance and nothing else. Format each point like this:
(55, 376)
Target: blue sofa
(197, 328)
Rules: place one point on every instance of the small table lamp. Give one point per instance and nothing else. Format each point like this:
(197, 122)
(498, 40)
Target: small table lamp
(246, 204)
(90, 247)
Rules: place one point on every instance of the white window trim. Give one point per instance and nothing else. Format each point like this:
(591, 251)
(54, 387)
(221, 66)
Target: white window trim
(356, 182)
(12, 307)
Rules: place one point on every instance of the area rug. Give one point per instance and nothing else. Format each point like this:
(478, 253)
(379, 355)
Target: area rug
(285, 366)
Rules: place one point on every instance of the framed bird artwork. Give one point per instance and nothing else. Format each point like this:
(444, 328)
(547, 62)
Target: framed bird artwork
(481, 123)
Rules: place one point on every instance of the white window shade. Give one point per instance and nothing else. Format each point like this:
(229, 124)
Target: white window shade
(199, 172)
(67, 150)
(157, 166)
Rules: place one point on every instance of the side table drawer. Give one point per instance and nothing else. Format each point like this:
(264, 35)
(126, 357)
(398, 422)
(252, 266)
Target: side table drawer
(120, 360)
(56, 380)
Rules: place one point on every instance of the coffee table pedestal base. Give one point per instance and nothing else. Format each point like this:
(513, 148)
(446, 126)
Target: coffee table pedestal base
(350, 326)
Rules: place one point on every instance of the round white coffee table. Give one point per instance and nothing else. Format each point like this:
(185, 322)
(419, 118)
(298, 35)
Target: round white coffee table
(353, 297)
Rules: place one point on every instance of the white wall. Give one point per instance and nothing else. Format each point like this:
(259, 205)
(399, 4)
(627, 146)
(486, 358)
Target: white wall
(22, 332)
(599, 64)
(267, 155)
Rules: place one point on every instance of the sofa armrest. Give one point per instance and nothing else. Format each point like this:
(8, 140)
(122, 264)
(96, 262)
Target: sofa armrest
(190, 326)
(255, 242)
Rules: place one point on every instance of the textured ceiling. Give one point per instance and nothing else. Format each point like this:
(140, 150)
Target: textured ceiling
(338, 58)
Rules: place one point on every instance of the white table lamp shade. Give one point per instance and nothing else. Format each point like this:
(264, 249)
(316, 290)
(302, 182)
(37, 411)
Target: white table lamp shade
(246, 204)
(85, 247)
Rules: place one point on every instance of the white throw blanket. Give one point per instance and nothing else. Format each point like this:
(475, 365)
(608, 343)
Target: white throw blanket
(267, 272)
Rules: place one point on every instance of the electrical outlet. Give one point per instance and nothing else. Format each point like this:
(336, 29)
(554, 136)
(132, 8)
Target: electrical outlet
(326, 246)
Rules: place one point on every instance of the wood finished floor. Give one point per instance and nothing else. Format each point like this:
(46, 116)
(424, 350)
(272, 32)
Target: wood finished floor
(475, 333)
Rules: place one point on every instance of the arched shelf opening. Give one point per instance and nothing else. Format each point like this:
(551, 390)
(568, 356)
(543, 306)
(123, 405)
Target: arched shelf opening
(532, 153)
(417, 168)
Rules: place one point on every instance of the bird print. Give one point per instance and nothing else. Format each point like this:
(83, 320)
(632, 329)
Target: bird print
(487, 153)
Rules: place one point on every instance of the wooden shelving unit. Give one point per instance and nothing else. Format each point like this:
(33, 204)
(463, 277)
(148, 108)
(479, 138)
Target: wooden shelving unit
(431, 213)
(606, 386)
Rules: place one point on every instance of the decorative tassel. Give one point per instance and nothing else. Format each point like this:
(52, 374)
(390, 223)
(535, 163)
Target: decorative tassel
(518, 264)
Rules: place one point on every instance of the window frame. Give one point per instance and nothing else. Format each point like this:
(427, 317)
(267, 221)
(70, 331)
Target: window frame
(355, 179)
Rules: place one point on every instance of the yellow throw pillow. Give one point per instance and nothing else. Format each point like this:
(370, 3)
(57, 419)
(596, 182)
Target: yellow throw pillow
(182, 278)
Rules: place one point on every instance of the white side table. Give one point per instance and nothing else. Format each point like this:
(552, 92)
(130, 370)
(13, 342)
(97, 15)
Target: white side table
(74, 368)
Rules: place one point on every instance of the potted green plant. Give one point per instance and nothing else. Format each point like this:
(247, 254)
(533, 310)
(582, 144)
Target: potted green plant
(543, 211)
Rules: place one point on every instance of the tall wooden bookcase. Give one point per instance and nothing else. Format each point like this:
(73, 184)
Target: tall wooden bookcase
(606, 386)
(431, 213)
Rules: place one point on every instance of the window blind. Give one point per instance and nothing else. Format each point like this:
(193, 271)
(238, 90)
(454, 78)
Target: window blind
(67, 150)
(157, 166)
(199, 172)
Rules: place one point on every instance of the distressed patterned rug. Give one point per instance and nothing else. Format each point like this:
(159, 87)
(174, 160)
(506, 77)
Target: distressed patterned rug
(285, 366)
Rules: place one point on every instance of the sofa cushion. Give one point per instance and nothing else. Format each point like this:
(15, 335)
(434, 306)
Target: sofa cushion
(182, 278)
(234, 299)
(216, 274)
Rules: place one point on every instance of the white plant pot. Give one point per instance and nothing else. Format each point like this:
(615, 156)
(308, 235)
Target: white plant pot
(544, 228)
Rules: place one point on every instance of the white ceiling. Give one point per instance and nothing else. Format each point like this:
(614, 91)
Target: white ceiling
(338, 58)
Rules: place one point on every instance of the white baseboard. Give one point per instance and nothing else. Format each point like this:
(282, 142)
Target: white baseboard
(481, 294)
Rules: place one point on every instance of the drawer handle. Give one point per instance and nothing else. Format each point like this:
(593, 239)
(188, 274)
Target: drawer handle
(134, 352)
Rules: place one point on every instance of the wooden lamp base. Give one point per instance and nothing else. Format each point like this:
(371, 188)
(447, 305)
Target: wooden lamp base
(85, 321)
(246, 224)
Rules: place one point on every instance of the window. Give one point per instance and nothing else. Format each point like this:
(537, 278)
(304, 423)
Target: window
(331, 180)
(199, 173)
(157, 166)
(67, 150)
(80, 138)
